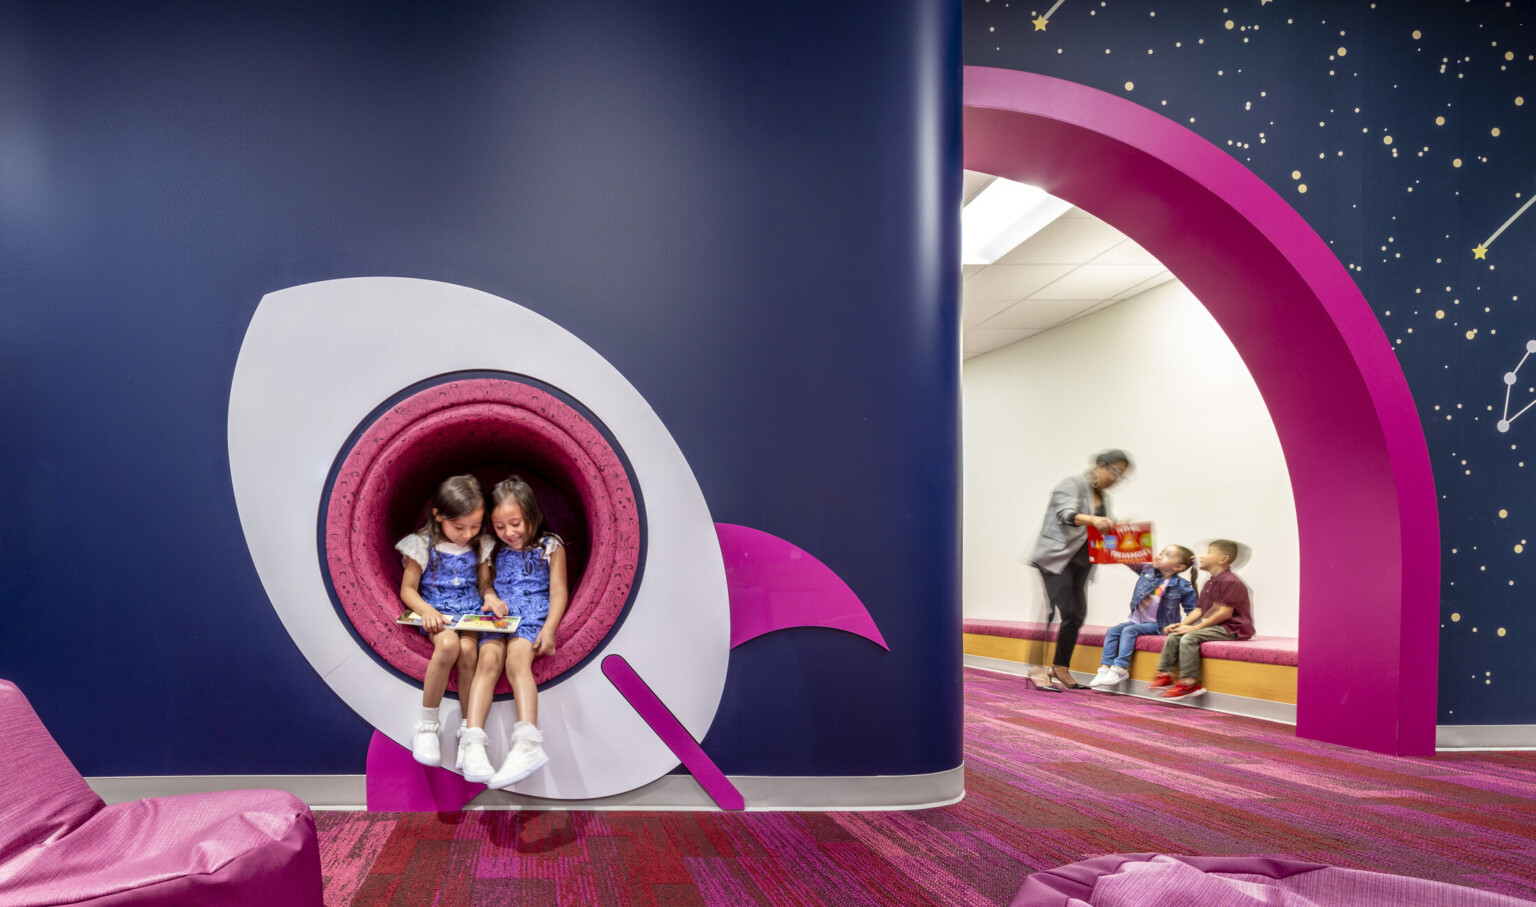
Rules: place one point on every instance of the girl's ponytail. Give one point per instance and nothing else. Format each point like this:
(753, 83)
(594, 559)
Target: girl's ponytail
(1194, 566)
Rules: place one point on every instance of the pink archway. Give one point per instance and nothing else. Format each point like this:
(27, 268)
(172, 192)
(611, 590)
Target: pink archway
(1359, 467)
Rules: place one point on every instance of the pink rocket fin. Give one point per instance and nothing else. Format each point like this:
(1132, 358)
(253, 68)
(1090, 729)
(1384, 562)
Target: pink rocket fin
(775, 585)
(397, 783)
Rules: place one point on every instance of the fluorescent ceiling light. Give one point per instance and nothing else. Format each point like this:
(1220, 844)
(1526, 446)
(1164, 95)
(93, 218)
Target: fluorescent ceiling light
(1003, 215)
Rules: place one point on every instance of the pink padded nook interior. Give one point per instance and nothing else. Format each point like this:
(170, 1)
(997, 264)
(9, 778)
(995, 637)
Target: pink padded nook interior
(490, 427)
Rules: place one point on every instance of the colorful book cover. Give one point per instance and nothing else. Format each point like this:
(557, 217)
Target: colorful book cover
(479, 623)
(1127, 543)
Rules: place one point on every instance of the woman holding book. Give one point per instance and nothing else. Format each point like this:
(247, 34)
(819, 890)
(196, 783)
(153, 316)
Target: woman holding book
(1061, 556)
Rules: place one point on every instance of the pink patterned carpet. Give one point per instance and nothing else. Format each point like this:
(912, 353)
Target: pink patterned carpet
(1050, 779)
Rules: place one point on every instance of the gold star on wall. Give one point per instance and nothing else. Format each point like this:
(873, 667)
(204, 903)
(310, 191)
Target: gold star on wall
(1479, 251)
(1041, 23)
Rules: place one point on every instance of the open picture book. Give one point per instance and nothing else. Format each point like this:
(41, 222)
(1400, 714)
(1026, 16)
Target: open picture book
(479, 623)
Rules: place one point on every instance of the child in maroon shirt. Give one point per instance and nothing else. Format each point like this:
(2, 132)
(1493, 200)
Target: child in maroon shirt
(1224, 614)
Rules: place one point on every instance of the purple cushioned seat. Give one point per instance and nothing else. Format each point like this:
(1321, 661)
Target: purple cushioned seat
(60, 844)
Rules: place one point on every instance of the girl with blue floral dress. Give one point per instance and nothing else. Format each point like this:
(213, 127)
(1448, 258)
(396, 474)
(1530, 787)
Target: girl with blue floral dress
(522, 572)
(441, 580)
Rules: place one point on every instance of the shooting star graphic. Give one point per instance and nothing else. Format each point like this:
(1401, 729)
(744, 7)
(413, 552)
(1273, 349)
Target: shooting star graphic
(1480, 251)
(1511, 377)
(1045, 20)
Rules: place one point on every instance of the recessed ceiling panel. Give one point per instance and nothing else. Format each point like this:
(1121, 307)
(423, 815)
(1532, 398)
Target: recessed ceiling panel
(1096, 282)
(1074, 241)
(1038, 314)
(1014, 282)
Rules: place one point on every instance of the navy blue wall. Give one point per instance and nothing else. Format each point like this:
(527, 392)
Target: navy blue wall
(1337, 106)
(746, 208)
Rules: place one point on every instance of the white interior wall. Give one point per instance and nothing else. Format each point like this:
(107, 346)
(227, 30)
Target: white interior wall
(1156, 376)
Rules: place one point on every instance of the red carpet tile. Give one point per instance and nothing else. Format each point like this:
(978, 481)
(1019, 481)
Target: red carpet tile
(1050, 779)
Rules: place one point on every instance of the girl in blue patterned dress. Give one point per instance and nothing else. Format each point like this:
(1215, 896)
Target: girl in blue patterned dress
(441, 580)
(522, 572)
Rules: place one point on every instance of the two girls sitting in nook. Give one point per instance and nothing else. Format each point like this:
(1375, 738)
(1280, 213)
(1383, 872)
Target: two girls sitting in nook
(1159, 596)
(451, 569)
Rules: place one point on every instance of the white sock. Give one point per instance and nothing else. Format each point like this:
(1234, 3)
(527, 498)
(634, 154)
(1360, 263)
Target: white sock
(428, 714)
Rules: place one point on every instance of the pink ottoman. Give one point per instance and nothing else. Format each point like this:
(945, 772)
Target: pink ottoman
(59, 844)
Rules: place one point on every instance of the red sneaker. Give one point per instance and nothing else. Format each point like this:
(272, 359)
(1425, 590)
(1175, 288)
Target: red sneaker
(1160, 681)
(1183, 691)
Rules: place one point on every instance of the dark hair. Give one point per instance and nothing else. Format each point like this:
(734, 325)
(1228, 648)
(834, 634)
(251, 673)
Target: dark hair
(514, 488)
(1113, 455)
(456, 497)
(1189, 561)
(1227, 547)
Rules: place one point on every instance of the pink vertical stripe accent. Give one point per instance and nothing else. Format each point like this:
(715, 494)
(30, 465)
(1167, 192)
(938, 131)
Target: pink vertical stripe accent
(775, 585)
(672, 733)
(396, 783)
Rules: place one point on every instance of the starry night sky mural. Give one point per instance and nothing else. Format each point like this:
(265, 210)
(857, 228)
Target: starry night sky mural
(1403, 133)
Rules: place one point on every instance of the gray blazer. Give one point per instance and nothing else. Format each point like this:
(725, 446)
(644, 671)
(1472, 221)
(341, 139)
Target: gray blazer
(1059, 538)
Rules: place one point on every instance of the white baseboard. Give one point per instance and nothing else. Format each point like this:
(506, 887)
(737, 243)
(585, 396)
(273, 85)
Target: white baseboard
(319, 791)
(766, 793)
(671, 792)
(1485, 737)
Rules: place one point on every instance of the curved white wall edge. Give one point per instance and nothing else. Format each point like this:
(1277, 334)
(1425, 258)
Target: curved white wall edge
(317, 359)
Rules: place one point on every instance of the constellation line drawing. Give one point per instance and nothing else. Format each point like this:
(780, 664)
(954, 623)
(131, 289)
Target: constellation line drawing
(1511, 377)
(1481, 249)
(1045, 20)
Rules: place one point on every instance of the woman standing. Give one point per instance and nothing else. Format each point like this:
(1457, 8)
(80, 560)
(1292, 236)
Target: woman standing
(1061, 556)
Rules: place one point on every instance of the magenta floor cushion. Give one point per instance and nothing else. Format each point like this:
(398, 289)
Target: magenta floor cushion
(1162, 880)
(60, 844)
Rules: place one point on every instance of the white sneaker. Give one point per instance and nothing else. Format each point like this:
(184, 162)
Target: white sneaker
(477, 765)
(526, 756)
(1100, 677)
(1116, 676)
(458, 759)
(425, 747)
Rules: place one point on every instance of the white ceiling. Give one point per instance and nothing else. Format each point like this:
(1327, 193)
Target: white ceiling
(1076, 265)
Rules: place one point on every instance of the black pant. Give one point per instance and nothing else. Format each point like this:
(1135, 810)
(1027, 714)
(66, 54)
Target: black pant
(1068, 593)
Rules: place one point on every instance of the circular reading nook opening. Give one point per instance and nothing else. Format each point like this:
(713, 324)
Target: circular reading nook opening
(490, 427)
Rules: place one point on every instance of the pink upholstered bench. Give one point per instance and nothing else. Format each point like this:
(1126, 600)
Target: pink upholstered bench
(1263, 667)
(1269, 650)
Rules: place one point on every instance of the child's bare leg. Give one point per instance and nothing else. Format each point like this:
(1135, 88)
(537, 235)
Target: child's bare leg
(482, 689)
(445, 652)
(527, 752)
(469, 644)
(525, 690)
